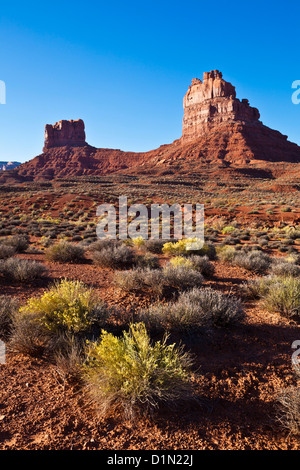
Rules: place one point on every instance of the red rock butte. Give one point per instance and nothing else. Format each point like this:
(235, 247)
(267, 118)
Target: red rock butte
(209, 103)
(65, 133)
(219, 131)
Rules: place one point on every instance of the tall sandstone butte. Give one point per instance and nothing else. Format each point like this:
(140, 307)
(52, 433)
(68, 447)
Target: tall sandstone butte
(209, 103)
(65, 133)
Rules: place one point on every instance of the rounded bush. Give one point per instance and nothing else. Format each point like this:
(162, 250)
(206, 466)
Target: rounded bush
(132, 374)
(65, 252)
(69, 306)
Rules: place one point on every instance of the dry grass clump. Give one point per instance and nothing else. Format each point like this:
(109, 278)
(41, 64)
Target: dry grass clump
(22, 270)
(289, 409)
(131, 374)
(8, 309)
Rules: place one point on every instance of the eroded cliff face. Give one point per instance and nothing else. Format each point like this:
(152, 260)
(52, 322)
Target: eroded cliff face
(63, 133)
(209, 103)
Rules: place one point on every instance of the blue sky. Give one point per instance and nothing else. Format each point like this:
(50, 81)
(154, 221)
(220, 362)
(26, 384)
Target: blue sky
(124, 67)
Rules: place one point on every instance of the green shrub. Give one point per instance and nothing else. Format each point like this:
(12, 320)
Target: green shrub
(181, 261)
(283, 296)
(228, 229)
(188, 246)
(65, 252)
(131, 374)
(226, 253)
(68, 306)
(138, 242)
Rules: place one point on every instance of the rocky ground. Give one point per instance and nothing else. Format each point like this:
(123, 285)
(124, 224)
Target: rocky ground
(239, 374)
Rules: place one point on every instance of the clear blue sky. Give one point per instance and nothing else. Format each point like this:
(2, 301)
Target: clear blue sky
(124, 66)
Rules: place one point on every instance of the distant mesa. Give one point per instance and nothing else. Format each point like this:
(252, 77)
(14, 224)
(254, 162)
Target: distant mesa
(8, 165)
(65, 133)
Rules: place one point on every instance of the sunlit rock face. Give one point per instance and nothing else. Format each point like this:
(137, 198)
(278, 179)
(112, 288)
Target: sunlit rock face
(209, 103)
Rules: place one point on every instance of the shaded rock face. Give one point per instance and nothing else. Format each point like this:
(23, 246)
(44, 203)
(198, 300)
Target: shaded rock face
(209, 103)
(65, 133)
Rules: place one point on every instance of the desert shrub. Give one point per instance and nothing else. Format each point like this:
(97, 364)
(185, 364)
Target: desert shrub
(257, 288)
(68, 306)
(228, 229)
(283, 296)
(161, 283)
(68, 357)
(289, 409)
(255, 261)
(138, 280)
(6, 251)
(154, 246)
(202, 264)
(208, 249)
(226, 253)
(147, 261)
(195, 309)
(102, 244)
(8, 309)
(132, 374)
(65, 252)
(28, 335)
(115, 257)
(285, 268)
(181, 279)
(18, 242)
(138, 242)
(182, 246)
(22, 270)
(181, 261)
